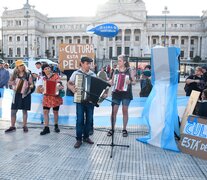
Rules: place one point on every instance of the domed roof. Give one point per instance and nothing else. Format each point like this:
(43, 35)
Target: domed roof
(127, 6)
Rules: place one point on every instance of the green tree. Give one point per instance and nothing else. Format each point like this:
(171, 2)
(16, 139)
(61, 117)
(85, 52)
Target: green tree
(197, 59)
(47, 53)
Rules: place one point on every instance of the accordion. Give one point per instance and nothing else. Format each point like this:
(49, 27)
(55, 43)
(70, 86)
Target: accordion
(50, 88)
(90, 89)
(21, 85)
(120, 82)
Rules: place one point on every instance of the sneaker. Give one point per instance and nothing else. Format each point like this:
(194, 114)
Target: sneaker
(124, 133)
(25, 129)
(46, 130)
(110, 132)
(56, 129)
(11, 129)
(88, 140)
(78, 144)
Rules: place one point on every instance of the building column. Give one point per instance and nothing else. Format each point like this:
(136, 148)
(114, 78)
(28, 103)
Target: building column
(122, 42)
(179, 41)
(203, 47)
(150, 42)
(15, 46)
(55, 55)
(132, 38)
(160, 40)
(169, 41)
(47, 43)
(89, 40)
(64, 39)
(72, 38)
(42, 47)
(199, 46)
(189, 38)
(114, 48)
(105, 52)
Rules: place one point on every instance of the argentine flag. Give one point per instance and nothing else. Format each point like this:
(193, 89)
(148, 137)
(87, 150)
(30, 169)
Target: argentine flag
(160, 110)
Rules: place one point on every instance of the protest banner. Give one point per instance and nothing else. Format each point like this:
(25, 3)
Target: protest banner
(190, 108)
(70, 55)
(194, 137)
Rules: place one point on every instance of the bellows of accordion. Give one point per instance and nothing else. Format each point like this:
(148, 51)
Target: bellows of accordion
(120, 82)
(51, 88)
(90, 89)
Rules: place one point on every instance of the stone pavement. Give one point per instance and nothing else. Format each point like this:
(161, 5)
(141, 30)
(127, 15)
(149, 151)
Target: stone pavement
(29, 156)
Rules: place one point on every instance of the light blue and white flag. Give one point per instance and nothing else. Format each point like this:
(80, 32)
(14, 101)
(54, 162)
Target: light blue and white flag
(67, 112)
(160, 111)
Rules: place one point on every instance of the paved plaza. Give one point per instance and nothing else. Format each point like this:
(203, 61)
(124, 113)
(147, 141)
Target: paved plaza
(26, 156)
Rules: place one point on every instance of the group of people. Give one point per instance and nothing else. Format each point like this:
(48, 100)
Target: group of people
(198, 82)
(4, 74)
(22, 82)
(84, 110)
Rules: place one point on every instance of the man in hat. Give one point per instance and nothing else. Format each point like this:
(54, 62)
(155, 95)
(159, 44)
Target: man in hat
(84, 111)
(4, 75)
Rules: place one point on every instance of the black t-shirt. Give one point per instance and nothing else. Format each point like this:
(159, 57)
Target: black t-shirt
(68, 73)
(195, 86)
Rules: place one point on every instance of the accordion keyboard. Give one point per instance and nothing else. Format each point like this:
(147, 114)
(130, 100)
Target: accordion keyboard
(79, 84)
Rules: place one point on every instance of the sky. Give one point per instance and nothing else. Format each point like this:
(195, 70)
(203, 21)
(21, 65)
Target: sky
(66, 8)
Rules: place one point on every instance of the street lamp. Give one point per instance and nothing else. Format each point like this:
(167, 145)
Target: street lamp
(27, 16)
(141, 51)
(103, 55)
(165, 12)
(95, 55)
(132, 52)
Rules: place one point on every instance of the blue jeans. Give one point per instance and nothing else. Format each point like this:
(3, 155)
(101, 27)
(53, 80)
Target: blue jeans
(84, 113)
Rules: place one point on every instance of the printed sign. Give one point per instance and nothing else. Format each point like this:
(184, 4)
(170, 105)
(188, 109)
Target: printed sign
(70, 55)
(194, 137)
(108, 30)
(194, 96)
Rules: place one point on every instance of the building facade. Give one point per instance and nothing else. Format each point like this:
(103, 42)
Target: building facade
(28, 33)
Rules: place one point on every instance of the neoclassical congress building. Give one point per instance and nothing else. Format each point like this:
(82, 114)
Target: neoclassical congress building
(27, 28)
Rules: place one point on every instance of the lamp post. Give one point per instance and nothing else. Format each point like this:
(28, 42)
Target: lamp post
(141, 51)
(165, 12)
(27, 16)
(132, 52)
(95, 55)
(103, 55)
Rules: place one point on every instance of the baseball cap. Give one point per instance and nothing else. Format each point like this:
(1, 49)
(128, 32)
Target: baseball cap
(86, 59)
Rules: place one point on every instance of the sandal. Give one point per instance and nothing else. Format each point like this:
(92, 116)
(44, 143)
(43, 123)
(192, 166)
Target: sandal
(110, 132)
(124, 133)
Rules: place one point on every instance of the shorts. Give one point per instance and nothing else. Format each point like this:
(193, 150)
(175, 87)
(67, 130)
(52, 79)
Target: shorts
(125, 102)
(54, 108)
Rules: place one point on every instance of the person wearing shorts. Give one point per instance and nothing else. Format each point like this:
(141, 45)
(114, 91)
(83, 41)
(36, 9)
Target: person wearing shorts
(121, 97)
